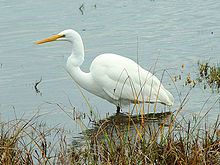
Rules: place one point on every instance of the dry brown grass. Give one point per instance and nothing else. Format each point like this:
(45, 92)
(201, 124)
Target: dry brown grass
(166, 138)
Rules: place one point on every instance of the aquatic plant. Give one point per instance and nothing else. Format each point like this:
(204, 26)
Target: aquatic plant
(209, 74)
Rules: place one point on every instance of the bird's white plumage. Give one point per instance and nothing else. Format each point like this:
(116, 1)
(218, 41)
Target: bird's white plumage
(122, 79)
(117, 79)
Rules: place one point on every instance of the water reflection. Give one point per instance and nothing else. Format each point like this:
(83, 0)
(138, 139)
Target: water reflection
(122, 119)
(124, 125)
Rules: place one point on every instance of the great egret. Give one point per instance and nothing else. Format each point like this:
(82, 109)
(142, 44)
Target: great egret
(117, 79)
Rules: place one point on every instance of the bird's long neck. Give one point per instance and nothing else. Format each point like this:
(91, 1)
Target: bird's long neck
(73, 64)
(77, 56)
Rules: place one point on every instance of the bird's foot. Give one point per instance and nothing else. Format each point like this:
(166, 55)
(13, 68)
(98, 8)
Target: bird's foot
(118, 109)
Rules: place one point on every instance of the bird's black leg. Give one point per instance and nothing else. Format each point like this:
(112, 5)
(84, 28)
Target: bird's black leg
(118, 109)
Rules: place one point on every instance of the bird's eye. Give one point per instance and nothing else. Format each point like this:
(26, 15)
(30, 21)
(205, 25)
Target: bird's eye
(63, 36)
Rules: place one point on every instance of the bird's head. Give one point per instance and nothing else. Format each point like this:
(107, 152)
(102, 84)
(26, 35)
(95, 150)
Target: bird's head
(66, 35)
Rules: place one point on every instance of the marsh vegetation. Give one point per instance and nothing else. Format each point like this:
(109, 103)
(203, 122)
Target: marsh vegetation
(124, 138)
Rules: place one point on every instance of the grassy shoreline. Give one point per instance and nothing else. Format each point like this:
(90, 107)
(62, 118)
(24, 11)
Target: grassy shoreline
(123, 139)
(162, 138)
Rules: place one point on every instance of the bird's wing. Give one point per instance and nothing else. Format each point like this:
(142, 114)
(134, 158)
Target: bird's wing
(123, 79)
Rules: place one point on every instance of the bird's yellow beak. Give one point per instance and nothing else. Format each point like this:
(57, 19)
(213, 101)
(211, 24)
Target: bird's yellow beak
(49, 39)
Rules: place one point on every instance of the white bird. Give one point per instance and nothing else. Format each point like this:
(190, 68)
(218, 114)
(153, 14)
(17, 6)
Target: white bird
(117, 79)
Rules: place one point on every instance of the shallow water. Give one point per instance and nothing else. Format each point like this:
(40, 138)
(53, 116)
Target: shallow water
(170, 33)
